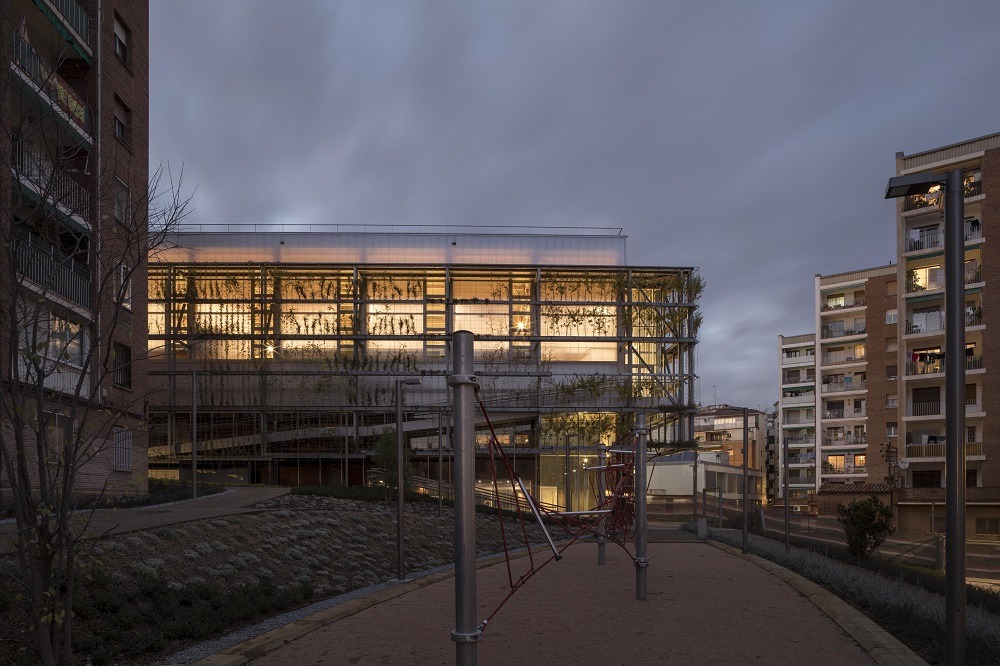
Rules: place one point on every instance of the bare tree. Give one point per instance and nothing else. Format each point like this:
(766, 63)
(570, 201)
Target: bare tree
(72, 335)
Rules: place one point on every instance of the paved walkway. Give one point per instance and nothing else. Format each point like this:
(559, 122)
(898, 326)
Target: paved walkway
(115, 521)
(705, 605)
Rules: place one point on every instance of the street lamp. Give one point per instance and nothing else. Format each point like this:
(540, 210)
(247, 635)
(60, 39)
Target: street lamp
(400, 573)
(954, 377)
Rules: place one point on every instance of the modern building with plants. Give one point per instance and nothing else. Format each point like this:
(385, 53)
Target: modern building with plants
(278, 352)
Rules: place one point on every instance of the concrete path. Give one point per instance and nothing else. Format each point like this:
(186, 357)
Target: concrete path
(116, 521)
(704, 606)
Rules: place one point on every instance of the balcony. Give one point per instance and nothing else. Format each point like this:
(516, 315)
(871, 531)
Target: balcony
(927, 324)
(807, 399)
(829, 469)
(937, 449)
(973, 187)
(42, 264)
(809, 478)
(973, 231)
(936, 366)
(846, 385)
(75, 17)
(804, 459)
(860, 440)
(973, 274)
(49, 181)
(925, 241)
(923, 408)
(856, 303)
(840, 332)
(857, 413)
(843, 357)
(51, 85)
(800, 441)
(796, 378)
(797, 359)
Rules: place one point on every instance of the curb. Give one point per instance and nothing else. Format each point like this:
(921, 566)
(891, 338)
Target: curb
(258, 646)
(884, 648)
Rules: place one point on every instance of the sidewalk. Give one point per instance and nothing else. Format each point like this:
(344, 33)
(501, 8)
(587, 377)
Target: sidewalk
(116, 521)
(704, 605)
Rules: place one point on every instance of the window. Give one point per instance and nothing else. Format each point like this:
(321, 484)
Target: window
(891, 371)
(970, 478)
(122, 41)
(892, 401)
(123, 202)
(121, 360)
(859, 459)
(892, 429)
(123, 286)
(123, 121)
(987, 525)
(122, 450)
(891, 316)
(65, 343)
(890, 288)
(927, 478)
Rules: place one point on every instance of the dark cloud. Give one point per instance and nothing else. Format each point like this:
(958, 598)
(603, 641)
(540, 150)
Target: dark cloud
(750, 139)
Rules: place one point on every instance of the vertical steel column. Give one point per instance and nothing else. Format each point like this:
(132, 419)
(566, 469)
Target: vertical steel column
(746, 476)
(440, 465)
(718, 490)
(464, 383)
(569, 479)
(954, 300)
(602, 526)
(641, 561)
(194, 435)
(400, 569)
(784, 473)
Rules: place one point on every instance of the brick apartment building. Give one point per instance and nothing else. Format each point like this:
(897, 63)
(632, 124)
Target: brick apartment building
(76, 110)
(862, 399)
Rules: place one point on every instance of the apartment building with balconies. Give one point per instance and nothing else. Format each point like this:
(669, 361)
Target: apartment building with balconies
(856, 325)
(796, 421)
(75, 111)
(921, 428)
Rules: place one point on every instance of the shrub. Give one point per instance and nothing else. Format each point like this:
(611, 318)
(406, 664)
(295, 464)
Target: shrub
(866, 525)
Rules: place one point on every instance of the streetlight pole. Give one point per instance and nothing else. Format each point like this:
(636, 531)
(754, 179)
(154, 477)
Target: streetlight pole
(954, 381)
(194, 434)
(746, 476)
(400, 483)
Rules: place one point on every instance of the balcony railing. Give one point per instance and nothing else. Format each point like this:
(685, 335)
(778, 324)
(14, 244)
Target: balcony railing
(802, 460)
(807, 399)
(923, 408)
(798, 379)
(45, 77)
(937, 449)
(52, 182)
(75, 16)
(837, 332)
(925, 241)
(42, 265)
(802, 478)
(937, 366)
(930, 324)
(846, 469)
(800, 441)
(856, 303)
(845, 441)
(973, 230)
(973, 275)
(853, 385)
(844, 413)
(835, 359)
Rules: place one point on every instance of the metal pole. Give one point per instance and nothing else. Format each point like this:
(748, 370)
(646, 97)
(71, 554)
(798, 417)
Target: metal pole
(569, 485)
(954, 284)
(704, 504)
(641, 561)
(194, 435)
(400, 573)
(602, 535)
(746, 476)
(784, 473)
(440, 464)
(464, 383)
(718, 490)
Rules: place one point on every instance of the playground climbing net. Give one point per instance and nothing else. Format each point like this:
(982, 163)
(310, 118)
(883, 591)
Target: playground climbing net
(612, 518)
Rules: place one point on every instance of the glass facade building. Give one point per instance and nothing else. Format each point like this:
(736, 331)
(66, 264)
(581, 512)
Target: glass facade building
(289, 343)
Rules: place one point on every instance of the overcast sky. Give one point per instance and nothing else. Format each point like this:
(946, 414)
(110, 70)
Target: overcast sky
(750, 139)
